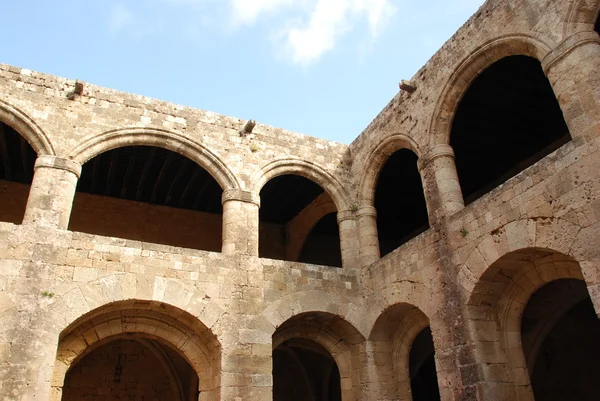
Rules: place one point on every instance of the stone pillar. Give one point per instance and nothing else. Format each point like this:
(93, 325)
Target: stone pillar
(52, 191)
(440, 183)
(240, 222)
(572, 68)
(349, 244)
(367, 235)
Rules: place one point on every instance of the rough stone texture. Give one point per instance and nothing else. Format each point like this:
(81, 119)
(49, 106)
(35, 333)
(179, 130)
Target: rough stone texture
(468, 277)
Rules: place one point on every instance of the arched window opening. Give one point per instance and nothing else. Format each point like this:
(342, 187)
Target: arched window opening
(137, 368)
(149, 194)
(322, 246)
(559, 333)
(304, 371)
(287, 211)
(400, 202)
(423, 374)
(17, 158)
(508, 119)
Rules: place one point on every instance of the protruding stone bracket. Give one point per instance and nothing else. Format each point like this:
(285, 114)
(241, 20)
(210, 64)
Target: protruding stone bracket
(240, 195)
(567, 46)
(46, 161)
(434, 153)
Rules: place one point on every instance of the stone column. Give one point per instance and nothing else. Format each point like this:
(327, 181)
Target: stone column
(367, 235)
(52, 191)
(572, 68)
(440, 183)
(349, 244)
(240, 222)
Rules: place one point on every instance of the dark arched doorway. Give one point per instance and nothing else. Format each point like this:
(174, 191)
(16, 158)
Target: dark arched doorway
(400, 201)
(17, 159)
(304, 371)
(508, 119)
(423, 374)
(560, 332)
(131, 369)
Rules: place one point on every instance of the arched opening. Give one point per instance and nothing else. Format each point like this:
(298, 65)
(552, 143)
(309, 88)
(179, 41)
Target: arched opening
(560, 332)
(423, 374)
(322, 246)
(408, 372)
(149, 194)
(132, 369)
(287, 210)
(137, 350)
(314, 358)
(597, 26)
(514, 308)
(400, 201)
(17, 159)
(305, 371)
(508, 119)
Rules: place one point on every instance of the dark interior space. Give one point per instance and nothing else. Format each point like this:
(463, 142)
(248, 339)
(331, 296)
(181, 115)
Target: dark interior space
(508, 119)
(304, 371)
(597, 26)
(149, 194)
(17, 159)
(562, 342)
(126, 369)
(282, 199)
(400, 201)
(323, 244)
(423, 374)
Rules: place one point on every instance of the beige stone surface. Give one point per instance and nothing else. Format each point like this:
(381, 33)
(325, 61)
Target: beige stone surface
(216, 304)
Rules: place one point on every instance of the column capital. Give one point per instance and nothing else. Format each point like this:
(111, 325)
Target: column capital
(59, 163)
(567, 46)
(366, 211)
(235, 194)
(344, 215)
(435, 152)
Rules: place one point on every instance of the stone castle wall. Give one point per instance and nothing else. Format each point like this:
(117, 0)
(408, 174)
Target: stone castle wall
(63, 292)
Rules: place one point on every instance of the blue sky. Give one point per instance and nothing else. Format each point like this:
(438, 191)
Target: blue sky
(321, 67)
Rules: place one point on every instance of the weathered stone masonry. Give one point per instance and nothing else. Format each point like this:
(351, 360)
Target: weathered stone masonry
(480, 306)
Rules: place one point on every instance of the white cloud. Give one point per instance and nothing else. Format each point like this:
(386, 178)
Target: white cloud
(246, 12)
(119, 19)
(306, 29)
(329, 20)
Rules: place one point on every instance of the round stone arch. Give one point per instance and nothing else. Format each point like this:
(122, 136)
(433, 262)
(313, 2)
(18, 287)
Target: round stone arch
(135, 319)
(302, 302)
(581, 16)
(498, 302)
(501, 274)
(398, 325)
(376, 159)
(469, 68)
(27, 128)
(306, 169)
(196, 152)
(336, 335)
